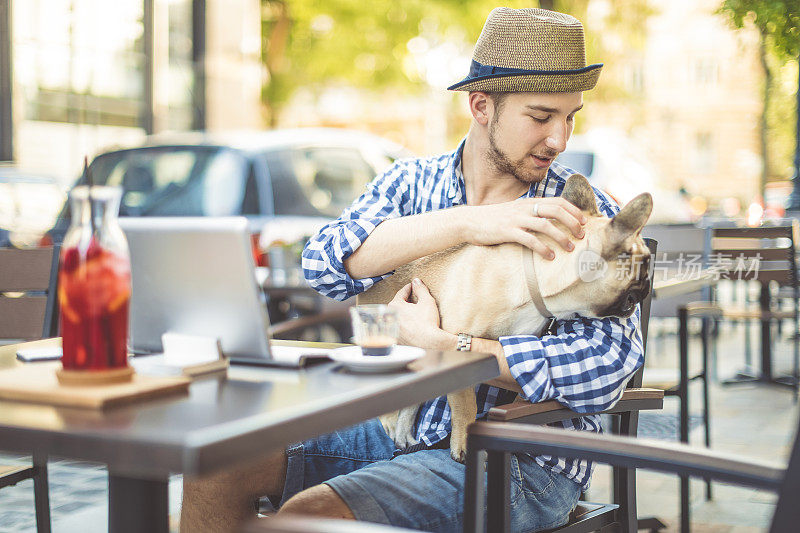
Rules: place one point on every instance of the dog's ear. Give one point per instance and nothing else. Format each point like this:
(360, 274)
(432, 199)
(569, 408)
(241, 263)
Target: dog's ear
(578, 192)
(628, 222)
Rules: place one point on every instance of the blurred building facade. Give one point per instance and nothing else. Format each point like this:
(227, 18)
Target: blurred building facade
(693, 100)
(82, 75)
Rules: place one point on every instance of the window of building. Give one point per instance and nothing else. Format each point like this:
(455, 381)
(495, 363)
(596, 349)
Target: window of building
(79, 61)
(634, 78)
(703, 153)
(705, 71)
(83, 61)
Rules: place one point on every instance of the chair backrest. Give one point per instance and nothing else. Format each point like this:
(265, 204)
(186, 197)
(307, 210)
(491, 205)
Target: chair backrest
(675, 240)
(28, 307)
(683, 250)
(763, 254)
(644, 314)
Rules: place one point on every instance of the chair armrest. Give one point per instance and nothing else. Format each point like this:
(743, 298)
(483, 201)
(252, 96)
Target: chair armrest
(334, 316)
(632, 399)
(624, 452)
(302, 524)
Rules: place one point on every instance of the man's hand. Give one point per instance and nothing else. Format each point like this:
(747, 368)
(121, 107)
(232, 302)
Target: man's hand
(522, 221)
(419, 320)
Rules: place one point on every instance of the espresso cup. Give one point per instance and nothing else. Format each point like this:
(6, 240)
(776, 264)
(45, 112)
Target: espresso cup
(375, 329)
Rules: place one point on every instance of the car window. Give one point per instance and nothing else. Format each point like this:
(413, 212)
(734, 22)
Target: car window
(317, 180)
(223, 184)
(288, 197)
(168, 181)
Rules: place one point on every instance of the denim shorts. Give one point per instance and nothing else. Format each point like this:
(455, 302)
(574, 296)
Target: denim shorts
(423, 490)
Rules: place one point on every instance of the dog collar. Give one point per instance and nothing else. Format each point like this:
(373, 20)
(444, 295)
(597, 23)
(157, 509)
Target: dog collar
(533, 289)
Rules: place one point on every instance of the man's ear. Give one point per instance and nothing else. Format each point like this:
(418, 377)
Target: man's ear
(578, 192)
(479, 107)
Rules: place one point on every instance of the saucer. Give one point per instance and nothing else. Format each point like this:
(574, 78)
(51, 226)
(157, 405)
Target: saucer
(352, 358)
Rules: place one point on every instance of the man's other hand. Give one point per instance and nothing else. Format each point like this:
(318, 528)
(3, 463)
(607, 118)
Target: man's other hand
(419, 320)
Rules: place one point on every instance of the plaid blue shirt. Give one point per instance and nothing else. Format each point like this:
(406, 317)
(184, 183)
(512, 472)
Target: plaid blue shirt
(585, 366)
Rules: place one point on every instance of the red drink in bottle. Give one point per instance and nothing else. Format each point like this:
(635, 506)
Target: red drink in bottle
(94, 290)
(94, 284)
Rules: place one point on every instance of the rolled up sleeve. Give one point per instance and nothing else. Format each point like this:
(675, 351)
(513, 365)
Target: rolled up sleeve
(585, 366)
(323, 257)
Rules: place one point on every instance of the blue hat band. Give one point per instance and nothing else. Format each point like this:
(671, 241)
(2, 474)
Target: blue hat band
(478, 70)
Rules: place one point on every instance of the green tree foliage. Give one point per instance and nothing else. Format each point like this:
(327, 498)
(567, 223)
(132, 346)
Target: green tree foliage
(777, 20)
(314, 44)
(778, 23)
(308, 43)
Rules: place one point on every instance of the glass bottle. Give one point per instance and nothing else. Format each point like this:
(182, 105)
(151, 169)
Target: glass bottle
(94, 282)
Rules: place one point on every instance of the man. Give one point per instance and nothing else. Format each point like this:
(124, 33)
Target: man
(500, 185)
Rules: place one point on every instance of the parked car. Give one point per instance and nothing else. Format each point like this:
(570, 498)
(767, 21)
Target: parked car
(301, 177)
(29, 204)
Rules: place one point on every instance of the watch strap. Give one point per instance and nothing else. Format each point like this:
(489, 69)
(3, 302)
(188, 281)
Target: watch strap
(464, 342)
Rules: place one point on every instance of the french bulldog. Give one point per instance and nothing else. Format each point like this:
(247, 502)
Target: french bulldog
(506, 289)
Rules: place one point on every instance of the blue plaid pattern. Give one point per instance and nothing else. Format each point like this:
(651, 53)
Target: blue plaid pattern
(585, 366)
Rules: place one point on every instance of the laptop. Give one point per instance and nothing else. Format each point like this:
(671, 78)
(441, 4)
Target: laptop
(196, 276)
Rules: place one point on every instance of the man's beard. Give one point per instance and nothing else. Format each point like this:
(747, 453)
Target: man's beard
(504, 164)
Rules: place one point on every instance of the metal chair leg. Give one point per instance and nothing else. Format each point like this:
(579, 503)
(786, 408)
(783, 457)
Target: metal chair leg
(474, 490)
(748, 355)
(41, 494)
(796, 346)
(625, 481)
(683, 396)
(498, 491)
(685, 517)
(706, 403)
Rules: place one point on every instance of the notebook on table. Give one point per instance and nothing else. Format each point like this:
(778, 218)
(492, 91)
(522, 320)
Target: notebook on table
(196, 276)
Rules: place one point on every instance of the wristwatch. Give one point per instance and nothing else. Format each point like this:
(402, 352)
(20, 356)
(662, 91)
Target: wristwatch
(464, 342)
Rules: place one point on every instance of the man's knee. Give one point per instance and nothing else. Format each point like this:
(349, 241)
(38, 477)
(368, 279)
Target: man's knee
(264, 477)
(319, 500)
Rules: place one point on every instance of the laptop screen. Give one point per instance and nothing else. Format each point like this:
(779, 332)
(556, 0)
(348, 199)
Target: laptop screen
(195, 276)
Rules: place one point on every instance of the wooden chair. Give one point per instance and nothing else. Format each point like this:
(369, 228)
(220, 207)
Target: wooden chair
(28, 311)
(765, 254)
(497, 440)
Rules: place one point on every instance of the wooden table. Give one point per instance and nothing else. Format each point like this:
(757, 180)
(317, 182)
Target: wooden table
(678, 286)
(223, 421)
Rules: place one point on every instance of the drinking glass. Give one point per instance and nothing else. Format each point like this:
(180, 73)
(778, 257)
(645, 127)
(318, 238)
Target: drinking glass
(375, 328)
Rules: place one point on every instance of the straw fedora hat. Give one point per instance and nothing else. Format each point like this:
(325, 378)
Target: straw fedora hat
(530, 50)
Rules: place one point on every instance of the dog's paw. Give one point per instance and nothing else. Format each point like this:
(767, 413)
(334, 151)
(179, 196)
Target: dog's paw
(458, 448)
(458, 454)
(403, 430)
(404, 438)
